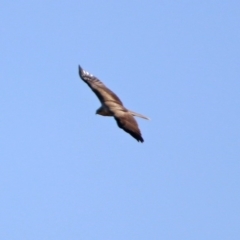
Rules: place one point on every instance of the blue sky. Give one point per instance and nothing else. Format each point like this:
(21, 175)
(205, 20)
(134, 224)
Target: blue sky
(67, 173)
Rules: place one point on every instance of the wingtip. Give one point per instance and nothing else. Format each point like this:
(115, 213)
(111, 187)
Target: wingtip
(80, 71)
(140, 139)
(79, 68)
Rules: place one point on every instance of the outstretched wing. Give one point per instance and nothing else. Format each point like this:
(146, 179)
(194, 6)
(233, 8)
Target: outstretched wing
(103, 93)
(127, 122)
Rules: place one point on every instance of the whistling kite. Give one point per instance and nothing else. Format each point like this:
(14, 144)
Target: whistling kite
(112, 105)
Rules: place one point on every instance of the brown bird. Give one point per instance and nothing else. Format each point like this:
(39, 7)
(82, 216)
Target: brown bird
(112, 105)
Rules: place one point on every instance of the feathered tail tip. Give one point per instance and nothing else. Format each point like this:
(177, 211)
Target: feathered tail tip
(139, 115)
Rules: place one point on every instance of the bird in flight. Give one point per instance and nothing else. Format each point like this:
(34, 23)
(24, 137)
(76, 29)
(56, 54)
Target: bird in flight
(112, 105)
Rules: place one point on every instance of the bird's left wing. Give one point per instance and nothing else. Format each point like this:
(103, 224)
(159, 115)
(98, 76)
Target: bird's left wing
(103, 93)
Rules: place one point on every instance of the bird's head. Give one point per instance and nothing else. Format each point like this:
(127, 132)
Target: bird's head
(103, 112)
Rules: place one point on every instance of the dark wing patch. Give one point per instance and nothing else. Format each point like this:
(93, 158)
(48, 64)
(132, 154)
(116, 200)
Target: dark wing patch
(127, 122)
(103, 93)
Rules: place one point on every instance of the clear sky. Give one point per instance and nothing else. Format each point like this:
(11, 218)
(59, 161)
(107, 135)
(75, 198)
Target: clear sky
(67, 173)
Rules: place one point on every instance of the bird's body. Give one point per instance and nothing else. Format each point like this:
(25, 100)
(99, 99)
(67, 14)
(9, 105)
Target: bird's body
(112, 105)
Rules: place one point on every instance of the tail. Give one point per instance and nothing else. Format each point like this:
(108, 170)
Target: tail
(138, 115)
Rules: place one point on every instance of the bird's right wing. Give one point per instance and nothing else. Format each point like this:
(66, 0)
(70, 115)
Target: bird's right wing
(126, 121)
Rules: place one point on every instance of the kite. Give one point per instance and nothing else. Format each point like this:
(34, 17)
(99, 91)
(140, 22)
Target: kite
(113, 106)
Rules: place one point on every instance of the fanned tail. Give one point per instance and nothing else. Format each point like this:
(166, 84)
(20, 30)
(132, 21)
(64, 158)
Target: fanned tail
(138, 115)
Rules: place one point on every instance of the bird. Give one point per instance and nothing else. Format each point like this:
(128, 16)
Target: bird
(112, 106)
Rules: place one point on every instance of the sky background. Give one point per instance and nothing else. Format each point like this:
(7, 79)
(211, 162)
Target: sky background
(67, 173)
